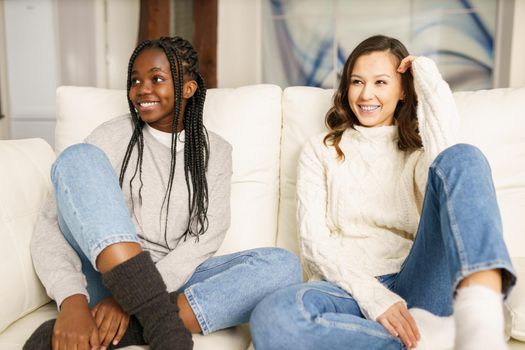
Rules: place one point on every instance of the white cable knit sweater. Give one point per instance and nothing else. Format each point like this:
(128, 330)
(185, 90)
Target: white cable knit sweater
(358, 217)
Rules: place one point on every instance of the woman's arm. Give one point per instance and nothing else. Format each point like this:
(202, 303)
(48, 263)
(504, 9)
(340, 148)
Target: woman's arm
(437, 113)
(323, 251)
(180, 263)
(75, 327)
(56, 263)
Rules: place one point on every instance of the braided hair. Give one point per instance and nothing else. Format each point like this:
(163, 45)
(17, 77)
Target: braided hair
(183, 61)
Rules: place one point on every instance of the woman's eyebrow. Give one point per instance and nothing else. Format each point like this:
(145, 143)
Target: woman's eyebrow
(154, 69)
(157, 69)
(375, 76)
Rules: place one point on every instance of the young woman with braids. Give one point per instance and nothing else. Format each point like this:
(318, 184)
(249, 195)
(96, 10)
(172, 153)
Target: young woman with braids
(400, 224)
(129, 258)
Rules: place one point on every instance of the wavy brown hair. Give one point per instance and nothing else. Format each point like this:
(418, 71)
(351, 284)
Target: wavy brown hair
(341, 117)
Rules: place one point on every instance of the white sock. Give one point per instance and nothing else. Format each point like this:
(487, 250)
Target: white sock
(478, 312)
(437, 333)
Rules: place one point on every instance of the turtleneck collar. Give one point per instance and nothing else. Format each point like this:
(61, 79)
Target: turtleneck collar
(387, 133)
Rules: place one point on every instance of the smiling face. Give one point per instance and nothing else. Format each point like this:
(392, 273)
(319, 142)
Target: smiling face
(151, 90)
(375, 89)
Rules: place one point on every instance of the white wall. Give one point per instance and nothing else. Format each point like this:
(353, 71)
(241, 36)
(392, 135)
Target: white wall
(76, 42)
(32, 66)
(49, 43)
(239, 43)
(4, 123)
(121, 35)
(517, 58)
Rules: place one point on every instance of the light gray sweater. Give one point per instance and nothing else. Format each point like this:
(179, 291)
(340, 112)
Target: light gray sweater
(58, 265)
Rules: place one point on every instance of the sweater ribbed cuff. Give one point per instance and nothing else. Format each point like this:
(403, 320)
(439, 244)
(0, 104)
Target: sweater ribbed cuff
(378, 307)
(68, 287)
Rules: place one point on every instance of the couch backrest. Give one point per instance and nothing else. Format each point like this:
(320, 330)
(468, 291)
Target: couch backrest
(24, 183)
(303, 116)
(248, 117)
(493, 120)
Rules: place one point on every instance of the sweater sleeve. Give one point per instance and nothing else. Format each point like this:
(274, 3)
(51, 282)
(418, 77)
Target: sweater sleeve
(56, 263)
(437, 115)
(322, 251)
(178, 265)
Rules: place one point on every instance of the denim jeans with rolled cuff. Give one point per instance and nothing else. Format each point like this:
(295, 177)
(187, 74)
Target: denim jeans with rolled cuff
(92, 215)
(459, 233)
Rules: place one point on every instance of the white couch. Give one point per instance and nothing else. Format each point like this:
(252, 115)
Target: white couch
(266, 127)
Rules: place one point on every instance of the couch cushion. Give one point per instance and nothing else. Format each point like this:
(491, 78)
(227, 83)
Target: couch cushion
(248, 117)
(24, 182)
(515, 304)
(304, 109)
(81, 109)
(494, 121)
(14, 337)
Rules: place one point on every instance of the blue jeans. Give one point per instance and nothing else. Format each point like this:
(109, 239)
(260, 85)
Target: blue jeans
(459, 233)
(92, 215)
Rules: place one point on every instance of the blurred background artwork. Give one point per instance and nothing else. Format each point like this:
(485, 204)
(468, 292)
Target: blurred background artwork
(306, 42)
(477, 44)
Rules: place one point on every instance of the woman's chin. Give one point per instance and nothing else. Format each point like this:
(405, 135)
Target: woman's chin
(371, 122)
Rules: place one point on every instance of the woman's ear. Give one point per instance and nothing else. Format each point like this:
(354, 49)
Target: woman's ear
(189, 88)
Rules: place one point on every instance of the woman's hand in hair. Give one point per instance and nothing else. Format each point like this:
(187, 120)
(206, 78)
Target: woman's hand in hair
(400, 323)
(406, 63)
(111, 320)
(75, 327)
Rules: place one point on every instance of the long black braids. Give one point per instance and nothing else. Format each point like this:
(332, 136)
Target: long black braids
(183, 61)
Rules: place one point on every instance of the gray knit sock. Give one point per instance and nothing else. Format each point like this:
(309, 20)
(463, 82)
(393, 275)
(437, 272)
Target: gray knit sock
(138, 287)
(133, 335)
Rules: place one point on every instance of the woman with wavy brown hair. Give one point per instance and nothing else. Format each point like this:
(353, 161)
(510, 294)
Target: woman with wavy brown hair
(399, 225)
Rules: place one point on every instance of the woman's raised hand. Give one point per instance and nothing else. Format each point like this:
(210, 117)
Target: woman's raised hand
(75, 328)
(400, 323)
(405, 64)
(111, 320)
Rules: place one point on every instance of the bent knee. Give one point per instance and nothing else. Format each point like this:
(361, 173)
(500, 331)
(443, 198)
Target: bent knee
(80, 150)
(283, 264)
(78, 156)
(76, 153)
(461, 155)
(273, 319)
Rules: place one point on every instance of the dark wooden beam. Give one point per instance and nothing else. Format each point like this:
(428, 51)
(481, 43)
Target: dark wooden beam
(154, 19)
(205, 13)
(155, 22)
